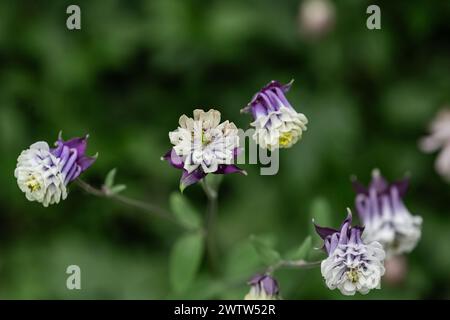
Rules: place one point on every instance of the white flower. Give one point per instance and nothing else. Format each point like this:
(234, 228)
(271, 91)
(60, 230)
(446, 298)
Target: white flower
(276, 123)
(263, 287)
(39, 176)
(203, 142)
(398, 232)
(354, 268)
(353, 265)
(279, 129)
(385, 216)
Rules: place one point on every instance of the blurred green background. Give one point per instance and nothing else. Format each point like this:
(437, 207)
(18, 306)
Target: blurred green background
(136, 66)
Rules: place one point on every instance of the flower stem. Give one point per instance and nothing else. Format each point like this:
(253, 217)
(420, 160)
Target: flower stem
(151, 208)
(211, 215)
(295, 264)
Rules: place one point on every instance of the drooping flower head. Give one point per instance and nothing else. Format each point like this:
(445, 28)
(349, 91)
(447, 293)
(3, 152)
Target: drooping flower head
(276, 122)
(353, 265)
(439, 138)
(385, 216)
(203, 145)
(263, 287)
(43, 173)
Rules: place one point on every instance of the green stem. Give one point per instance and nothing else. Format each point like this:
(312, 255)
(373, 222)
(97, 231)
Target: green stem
(295, 264)
(150, 208)
(211, 216)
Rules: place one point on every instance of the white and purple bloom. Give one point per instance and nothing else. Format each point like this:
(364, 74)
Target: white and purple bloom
(263, 287)
(276, 122)
(203, 145)
(385, 216)
(353, 265)
(43, 173)
(439, 138)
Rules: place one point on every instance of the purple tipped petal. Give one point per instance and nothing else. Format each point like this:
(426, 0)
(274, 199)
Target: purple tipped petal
(85, 162)
(188, 179)
(346, 234)
(359, 187)
(270, 98)
(72, 156)
(378, 183)
(324, 232)
(270, 285)
(229, 168)
(402, 186)
(175, 160)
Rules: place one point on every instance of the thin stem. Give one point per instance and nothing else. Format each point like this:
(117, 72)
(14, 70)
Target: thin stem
(211, 215)
(153, 209)
(296, 264)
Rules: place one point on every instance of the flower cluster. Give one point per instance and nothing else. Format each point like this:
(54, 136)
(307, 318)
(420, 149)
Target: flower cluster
(276, 122)
(43, 173)
(353, 265)
(386, 218)
(263, 287)
(203, 145)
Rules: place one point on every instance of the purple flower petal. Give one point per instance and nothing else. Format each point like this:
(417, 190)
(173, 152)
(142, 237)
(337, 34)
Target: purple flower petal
(188, 179)
(175, 160)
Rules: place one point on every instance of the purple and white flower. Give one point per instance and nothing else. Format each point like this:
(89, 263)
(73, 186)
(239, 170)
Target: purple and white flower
(263, 287)
(43, 173)
(276, 122)
(353, 265)
(203, 145)
(439, 138)
(385, 216)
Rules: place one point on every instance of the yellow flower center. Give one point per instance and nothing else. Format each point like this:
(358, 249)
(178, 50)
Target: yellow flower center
(285, 139)
(353, 275)
(33, 184)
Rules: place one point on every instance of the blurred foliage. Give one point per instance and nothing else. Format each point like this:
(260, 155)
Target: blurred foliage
(136, 66)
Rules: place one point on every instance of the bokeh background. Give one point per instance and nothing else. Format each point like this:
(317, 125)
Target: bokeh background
(136, 66)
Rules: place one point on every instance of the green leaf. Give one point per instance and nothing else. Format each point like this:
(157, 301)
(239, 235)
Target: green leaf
(184, 212)
(109, 181)
(185, 260)
(301, 253)
(268, 255)
(117, 188)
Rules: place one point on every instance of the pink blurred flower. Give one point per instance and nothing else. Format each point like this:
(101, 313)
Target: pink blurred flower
(439, 139)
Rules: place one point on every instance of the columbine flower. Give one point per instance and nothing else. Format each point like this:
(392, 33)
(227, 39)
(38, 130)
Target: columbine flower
(276, 122)
(439, 138)
(352, 264)
(263, 287)
(43, 173)
(386, 219)
(203, 145)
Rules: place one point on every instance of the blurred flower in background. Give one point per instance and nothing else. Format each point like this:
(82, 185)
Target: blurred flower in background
(263, 287)
(315, 18)
(386, 219)
(396, 270)
(203, 145)
(277, 123)
(43, 173)
(439, 139)
(353, 265)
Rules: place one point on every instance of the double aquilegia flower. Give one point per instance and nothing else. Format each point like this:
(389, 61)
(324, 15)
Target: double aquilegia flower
(263, 287)
(203, 145)
(276, 122)
(386, 218)
(439, 138)
(43, 173)
(353, 265)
